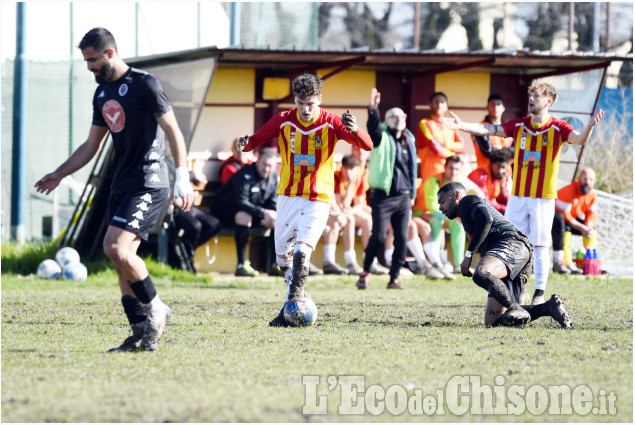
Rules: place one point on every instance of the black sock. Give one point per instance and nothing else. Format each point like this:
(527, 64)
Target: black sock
(539, 292)
(539, 310)
(241, 235)
(133, 309)
(144, 290)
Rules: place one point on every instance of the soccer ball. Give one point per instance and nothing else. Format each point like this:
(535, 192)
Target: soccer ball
(66, 256)
(301, 312)
(75, 271)
(48, 269)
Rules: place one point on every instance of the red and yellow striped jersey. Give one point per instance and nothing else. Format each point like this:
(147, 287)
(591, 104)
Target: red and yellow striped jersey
(537, 155)
(306, 149)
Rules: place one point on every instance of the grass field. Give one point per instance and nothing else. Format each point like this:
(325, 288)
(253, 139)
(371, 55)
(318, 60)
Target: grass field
(219, 361)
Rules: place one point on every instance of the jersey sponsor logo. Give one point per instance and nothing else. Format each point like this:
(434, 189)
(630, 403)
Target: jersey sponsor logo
(532, 156)
(114, 116)
(123, 89)
(119, 219)
(302, 160)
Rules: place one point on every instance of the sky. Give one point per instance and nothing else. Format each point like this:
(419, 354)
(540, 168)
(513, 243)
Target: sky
(163, 27)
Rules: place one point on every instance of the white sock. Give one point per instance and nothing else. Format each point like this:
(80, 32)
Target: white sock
(329, 253)
(558, 256)
(541, 266)
(350, 257)
(415, 247)
(432, 252)
(388, 256)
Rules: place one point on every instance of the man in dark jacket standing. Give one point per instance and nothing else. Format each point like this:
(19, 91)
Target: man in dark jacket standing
(392, 177)
(249, 199)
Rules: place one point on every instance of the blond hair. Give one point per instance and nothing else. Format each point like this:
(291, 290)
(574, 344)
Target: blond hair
(543, 89)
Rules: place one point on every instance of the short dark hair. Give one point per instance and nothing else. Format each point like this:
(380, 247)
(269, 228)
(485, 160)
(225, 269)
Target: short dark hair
(500, 155)
(438, 93)
(350, 161)
(451, 188)
(454, 158)
(306, 85)
(99, 39)
(267, 153)
(494, 96)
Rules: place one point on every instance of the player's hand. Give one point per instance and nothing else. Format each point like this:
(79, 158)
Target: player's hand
(183, 192)
(349, 121)
(596, 118)
(453, 123)
(241, 143)
(48, 183)
(269, 219)
(465, 266)
(375, 98)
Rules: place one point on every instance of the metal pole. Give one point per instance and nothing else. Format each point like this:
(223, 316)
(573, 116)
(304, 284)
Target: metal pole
(417, 26)
(18, 169)
(571, 18)
(596, 27)
(198, 24)
(234, 30)
(607, 47)
(71, 92)
(136, 29)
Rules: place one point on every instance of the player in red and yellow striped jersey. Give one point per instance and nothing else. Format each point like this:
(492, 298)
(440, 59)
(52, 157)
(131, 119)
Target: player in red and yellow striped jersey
(307, 135)
(538, 139)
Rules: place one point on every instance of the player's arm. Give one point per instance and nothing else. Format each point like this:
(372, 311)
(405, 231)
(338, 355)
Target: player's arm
(482, 224)
(183, 192)
(82, 156)
(581, 137)
(477, 129)
(359, 138)
(267, 132)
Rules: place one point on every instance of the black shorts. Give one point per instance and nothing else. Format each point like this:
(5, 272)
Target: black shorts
(515, 252)
(136, 211)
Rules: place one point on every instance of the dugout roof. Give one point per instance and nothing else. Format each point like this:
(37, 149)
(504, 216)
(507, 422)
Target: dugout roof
(291, 61)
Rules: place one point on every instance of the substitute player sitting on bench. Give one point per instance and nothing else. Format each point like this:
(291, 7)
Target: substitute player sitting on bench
(506, 259)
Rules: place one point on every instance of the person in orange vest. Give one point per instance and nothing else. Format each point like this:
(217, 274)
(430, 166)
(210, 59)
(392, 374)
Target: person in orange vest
(494, 181)
(484, 146)
(538, 139)
(575, 214)
(435, 142)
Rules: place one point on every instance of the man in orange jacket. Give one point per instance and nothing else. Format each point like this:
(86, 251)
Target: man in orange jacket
(575, 214)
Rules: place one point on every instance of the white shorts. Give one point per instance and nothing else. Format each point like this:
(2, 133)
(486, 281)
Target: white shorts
(533, 217)
(299, 220)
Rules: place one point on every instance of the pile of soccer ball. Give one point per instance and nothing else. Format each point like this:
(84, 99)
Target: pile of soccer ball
(66, 265)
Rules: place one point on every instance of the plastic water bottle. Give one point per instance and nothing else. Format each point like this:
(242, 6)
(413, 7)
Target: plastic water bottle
(580, 254)
(596, 267)
(587, 261)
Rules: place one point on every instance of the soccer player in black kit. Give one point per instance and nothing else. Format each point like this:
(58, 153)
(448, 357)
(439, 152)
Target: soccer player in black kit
(506, 260)
(131, 104)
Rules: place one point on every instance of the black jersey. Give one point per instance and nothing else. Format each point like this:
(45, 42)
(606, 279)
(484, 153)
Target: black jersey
(247, 191)
(129, 107)
(474, 212)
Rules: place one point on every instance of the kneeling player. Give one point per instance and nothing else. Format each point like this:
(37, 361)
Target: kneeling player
(506, 260)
